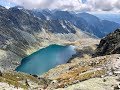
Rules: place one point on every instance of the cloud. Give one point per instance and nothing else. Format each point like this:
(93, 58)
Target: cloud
(32, 3)
(104, 5)
(51, 4)
(81, 5)
(117, 4)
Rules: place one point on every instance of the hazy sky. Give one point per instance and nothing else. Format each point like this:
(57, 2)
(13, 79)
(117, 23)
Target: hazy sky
(79, 5)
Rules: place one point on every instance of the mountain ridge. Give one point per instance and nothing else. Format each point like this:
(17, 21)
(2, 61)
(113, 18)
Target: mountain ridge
(84, 21)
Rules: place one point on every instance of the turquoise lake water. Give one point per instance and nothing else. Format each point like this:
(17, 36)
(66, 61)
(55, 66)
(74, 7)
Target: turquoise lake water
(46, 59)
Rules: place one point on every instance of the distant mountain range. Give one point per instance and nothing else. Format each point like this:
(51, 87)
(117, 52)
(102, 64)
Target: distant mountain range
(115, 17)
(84, 21)
(18, 19)
(95, 24)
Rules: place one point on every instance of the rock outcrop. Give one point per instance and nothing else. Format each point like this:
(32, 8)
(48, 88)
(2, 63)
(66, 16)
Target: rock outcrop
(109, 44)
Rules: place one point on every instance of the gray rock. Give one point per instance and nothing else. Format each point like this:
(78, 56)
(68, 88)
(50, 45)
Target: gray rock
(109, 44)
(0, 73)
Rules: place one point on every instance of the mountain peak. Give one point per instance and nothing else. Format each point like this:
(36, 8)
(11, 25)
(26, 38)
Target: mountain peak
(2, 8)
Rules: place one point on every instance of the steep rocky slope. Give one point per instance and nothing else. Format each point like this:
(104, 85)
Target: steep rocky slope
(109, 44)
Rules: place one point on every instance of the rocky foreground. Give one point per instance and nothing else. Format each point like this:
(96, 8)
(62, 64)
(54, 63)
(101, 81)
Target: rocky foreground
(87, 70)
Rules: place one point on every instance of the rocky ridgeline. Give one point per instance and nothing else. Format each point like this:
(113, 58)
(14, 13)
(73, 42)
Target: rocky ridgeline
(109, 44)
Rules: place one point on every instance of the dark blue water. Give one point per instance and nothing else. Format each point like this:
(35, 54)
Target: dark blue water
(45, 59)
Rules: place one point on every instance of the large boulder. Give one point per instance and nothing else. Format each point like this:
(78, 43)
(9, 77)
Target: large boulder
(109, 44)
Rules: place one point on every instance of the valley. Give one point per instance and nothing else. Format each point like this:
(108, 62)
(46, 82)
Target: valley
(58, 50)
